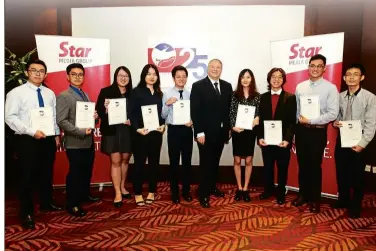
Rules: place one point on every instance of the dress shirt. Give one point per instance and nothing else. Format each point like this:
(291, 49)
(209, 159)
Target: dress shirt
(167, 110)
(215, 81)
(328, 98)
(19, 103)
(364, 109)
(276, 92)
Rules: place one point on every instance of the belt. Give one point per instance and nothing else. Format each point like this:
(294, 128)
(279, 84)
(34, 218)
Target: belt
(314, 126)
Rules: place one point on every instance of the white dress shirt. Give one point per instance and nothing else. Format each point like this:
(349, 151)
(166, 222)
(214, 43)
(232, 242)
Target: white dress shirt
(276, 92)
(19, 103)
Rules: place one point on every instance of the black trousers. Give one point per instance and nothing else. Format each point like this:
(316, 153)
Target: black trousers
(281, 156)
(146, 147)
(350, 175)
(79, 176)
(180, 143)
(310, 145)
(36, 160)
(210, 155)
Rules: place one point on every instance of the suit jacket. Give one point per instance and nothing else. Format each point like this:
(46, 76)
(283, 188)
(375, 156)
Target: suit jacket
(109, 92)
(285, 111)
(208, 111)
(74, 137)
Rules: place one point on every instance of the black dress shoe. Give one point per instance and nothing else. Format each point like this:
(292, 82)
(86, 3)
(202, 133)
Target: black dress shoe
(299, 201)
(118, 204)
(265, 196)
(354, 213)
(50, 207)
(76, 211)
(126, 196)
(92, 199)
(314, 207)
(238, 195)
(27, 222)
(281, 200)
(340, 204)
(246, 196)
(175, 198)
(204, 202)
(217, 193)
(187, 196)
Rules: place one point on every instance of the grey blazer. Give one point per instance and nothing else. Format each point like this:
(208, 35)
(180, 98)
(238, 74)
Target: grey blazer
(74, 138)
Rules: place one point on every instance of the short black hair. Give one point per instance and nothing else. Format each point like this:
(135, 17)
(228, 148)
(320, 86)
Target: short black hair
(357, 66)
(179, 68)
(37, 61)
(75, 65)
(270, 73)
(316, 57)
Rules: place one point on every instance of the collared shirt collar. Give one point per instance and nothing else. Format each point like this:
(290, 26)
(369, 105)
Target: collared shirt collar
(75, 88)
(176, 89)
(355, 93)
(32, 86)
(213, 81)
(276, 92)
(315, 82)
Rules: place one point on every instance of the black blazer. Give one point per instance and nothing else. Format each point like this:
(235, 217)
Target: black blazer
(109, 92)
(285, 111)
(208, 111)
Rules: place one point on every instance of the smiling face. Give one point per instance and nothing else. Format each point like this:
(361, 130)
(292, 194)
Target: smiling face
(151, 77)
(246, 79)
(122, 79)
(316, 69)
(276, 80)
(180, 79)
(76, 77)
(214, 69)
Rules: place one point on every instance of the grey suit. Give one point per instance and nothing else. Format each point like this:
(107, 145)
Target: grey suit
(79, 148)
(74, 137)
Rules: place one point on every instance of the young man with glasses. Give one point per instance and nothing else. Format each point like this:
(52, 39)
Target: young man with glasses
(78, 142)
(356, 103)
(35, 150)
(311, 134)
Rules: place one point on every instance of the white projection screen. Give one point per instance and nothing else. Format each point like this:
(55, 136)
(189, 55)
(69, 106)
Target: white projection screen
(239, 36)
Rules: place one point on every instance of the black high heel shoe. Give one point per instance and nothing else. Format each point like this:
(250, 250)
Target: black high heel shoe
(238, 195)
(118, 204)
(126, 196)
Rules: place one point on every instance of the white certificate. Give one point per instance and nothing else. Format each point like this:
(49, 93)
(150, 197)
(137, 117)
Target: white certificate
(351, 133)
(150, 117)
(310, 106)
(85, 114)
(181, 112)
(117, 111)
(42, 119)
(245, 117)
(273, 132)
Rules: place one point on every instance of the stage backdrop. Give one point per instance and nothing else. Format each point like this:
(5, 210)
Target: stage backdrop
(94, 54)
(191, 35)
(293, 56)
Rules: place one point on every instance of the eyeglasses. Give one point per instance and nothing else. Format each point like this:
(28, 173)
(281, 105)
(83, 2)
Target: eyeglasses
(277, 77)
(36, 72)
(75, 75)
(320, 66)
(122, 76)
(353, 75)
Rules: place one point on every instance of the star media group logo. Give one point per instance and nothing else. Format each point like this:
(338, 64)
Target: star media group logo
(166, 57)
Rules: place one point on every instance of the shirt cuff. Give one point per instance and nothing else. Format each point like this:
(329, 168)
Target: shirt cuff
(31, 132)
(201, 134)
(363, 143)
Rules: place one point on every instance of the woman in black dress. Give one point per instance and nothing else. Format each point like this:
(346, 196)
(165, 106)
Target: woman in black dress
(117, 139)
(243, 141)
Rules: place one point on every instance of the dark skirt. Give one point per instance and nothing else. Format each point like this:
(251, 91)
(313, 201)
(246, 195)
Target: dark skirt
(243, 144)
(121, 142)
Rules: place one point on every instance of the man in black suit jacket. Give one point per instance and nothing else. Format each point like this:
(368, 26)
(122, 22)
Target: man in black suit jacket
(277, 105)
(210, 107)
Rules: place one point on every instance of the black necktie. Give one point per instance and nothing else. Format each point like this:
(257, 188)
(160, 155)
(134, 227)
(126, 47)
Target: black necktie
(217, 90)
(181, 94)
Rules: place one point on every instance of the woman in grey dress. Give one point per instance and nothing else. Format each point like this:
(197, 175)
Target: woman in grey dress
(117, 139)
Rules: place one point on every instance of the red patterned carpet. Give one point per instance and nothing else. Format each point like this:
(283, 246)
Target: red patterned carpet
(227, 225)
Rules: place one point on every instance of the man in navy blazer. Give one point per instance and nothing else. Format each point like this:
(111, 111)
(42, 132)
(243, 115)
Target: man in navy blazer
(210, 108)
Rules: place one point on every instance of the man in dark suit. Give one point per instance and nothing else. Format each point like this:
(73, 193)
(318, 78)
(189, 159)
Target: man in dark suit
(210, 107)
(78, 142)
(277, 105)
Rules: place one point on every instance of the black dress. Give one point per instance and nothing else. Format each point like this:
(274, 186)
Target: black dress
(121, 142)
(243, 144)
